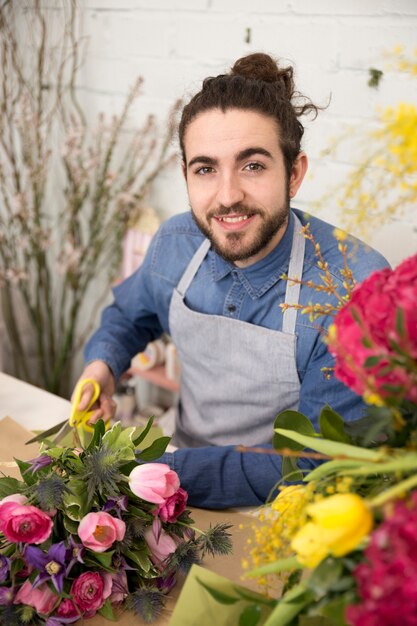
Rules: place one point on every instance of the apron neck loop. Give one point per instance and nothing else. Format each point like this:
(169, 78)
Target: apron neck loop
(295, 270)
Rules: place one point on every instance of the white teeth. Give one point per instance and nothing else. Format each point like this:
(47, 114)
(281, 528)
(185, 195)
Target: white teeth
(232, 220)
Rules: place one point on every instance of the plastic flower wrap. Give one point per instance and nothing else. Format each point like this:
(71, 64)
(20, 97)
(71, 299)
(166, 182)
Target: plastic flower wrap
(95, 530)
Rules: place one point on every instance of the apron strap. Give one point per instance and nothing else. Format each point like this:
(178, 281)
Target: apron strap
(192, 268)
(295, 270)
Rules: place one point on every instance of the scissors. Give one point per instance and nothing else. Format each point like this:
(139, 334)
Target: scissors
(78, 420)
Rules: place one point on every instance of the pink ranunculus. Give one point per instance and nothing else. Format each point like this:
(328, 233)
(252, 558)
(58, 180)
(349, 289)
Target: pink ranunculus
(68, 609)
(98, 531)
(154, 482)
(90, 591)
(24, 523)
(7, 504)
(161, 546)
(41, 598)
(376, 303)
(171, 509)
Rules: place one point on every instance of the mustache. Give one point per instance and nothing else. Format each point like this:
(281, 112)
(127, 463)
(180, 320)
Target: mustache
(242, 209)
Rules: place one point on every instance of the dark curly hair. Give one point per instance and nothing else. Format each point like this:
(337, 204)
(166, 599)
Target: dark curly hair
(256, 83)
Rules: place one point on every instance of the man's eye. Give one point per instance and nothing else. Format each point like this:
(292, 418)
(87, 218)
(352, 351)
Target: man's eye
(254, 167)
(204, 170)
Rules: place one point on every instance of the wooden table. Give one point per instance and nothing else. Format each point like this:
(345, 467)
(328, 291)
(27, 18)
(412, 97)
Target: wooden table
(32, 408)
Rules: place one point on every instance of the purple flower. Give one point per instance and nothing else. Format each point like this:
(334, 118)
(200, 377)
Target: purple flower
(51, 564)
(4, 568)
(119, 504)
(6, 596)
(166, 583)
(38, 463)
(76, 553)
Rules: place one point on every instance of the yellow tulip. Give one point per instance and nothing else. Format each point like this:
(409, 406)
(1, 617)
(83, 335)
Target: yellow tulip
(339, 523)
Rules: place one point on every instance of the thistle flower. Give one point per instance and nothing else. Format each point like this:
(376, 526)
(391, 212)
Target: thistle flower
(216, 540)
(101, 473)
(185, 556)
(50, 492)
(147, 603)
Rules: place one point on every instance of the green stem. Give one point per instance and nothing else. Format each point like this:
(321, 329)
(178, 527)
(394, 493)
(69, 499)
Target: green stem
(394, 492)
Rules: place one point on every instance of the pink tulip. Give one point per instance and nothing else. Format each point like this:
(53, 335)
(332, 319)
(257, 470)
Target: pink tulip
(98, 531)
(161, 546)
(24, 523)
(42, 598)
(154, 482)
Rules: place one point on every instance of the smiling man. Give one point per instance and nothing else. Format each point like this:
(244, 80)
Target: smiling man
(212, 279)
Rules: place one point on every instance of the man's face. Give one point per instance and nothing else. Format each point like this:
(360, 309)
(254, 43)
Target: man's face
(237, 185)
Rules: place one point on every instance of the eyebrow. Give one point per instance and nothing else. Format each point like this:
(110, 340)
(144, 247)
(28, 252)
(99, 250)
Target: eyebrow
(241, 156)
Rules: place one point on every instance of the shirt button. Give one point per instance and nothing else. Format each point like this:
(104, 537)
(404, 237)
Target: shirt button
(231, 308)
(234, 274)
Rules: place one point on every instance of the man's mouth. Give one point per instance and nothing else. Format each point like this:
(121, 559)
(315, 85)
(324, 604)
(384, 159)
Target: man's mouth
(232, 219)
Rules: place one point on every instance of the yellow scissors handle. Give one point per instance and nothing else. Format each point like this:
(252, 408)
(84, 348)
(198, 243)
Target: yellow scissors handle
(79, 419)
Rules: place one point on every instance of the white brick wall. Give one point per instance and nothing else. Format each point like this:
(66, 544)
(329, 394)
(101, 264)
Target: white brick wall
(174, 44)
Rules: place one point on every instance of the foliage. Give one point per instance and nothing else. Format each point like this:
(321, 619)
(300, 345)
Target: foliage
(73, 544)
(350, 527)
(68, 190)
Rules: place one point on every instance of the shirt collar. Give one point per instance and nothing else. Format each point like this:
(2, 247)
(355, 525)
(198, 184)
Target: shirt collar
(260, 276)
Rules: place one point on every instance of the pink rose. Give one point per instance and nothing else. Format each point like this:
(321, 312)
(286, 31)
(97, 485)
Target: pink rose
(90, 591)
(68, 609)
(98, 531)
(154, 482)
(171, 509)
(161, 546)
(42, 598)
(24, 523)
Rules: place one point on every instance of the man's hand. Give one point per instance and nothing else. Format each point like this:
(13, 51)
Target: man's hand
(105, 406)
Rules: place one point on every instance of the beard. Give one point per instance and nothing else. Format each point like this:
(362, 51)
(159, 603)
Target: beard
(235, 248)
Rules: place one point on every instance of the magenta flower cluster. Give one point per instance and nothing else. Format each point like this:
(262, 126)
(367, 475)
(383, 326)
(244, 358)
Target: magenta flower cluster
(387, 578)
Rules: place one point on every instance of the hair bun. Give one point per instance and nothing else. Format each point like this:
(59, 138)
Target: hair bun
(260, 66)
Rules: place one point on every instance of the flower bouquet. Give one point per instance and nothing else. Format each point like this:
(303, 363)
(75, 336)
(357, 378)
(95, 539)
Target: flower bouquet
(342, 543)
(96, 529)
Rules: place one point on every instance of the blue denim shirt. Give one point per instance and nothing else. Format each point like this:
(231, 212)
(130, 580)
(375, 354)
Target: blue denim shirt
(218, 477)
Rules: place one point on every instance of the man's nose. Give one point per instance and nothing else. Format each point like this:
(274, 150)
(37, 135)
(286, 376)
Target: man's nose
(230, 191)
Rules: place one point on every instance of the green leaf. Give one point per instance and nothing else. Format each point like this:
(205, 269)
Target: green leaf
(107, 612)
(140, 558)
(9, 485)
(314, 620)
(252, 596)
(144, 432)
(332, 467)
(331, 448)
(372, 361)
(291, 420)
(400, 323)
(290, 470)
(324, 577)
(70, 525)
(101, 558)
(282, 565)
(29, 478)
(332, 426)
(219, 596)
(76, 502)
(290, 606)
(99, 430)
(118, 438)
(250, 616)
(155, 450)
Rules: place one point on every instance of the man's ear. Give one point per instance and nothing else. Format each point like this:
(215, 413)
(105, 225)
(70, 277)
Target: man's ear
(184, 169)
(298, 172)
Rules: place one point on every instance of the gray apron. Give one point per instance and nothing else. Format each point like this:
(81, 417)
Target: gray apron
(235, 376)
